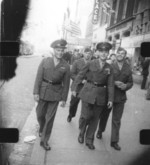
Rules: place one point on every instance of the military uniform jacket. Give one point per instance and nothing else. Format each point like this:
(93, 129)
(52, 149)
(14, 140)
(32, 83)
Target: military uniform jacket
(93, 94)
(76, 68)
(124, 75)
(57, 74)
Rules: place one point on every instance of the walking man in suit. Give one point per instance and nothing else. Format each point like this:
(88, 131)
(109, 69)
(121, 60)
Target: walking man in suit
(51, 86)
(94, 93)
(76, 67)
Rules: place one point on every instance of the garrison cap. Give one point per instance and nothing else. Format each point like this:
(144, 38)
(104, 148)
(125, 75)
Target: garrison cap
(59, 44)
(103, 46)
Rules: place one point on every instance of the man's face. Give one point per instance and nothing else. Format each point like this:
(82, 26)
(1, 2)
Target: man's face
(87, 55)
(113, 58)
(76, 53)
(58, 52)
(120, 55)
(103, 54)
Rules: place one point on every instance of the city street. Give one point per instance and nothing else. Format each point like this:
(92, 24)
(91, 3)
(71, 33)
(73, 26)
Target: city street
(16, 98)
(18, 103)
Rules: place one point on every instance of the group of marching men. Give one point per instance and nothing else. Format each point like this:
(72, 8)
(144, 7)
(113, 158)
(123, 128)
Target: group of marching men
(100, 86)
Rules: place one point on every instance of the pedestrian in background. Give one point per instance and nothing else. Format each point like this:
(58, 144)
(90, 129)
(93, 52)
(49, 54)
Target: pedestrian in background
(51, 86)
(94, 93)
(75, 56)
(145, 72)
(67, 56)
(148, 83)
(123, 82)
(76, 68)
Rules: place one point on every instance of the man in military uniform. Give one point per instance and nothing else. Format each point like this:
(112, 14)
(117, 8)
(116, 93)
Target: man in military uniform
(94, 94)
(51, 86)
(123, 82)
(76, 67)
(75, 56)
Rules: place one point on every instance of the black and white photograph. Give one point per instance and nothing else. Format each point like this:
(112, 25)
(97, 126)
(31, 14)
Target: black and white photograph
(75, 82)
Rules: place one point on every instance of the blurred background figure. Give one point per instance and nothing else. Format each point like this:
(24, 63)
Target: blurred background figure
(95, 54)
(67, 57)
(111, 59)
(145, 72)
(76, 55)
(148, 83)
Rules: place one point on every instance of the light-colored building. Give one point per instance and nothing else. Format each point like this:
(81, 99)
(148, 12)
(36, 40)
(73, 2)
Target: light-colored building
(89, 27)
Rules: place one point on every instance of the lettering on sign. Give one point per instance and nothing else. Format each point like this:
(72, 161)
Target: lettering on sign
(96, 12)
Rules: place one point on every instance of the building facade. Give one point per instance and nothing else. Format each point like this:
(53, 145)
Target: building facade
(129, 26)
(123, 23)
(89, 27)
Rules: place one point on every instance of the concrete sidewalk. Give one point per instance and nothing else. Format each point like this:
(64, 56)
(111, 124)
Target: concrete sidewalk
(65, 148)
(67, 151)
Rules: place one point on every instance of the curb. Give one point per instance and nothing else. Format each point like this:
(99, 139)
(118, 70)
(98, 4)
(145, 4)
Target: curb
(22, 151)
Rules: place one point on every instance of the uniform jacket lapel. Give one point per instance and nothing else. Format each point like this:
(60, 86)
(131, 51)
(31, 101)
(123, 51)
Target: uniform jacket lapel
(98, 65)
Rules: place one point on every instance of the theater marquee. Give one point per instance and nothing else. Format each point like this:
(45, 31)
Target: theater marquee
(96, 12)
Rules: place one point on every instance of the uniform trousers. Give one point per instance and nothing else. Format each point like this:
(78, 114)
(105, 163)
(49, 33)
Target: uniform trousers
(73, 105)
(46, 111)
(89, 120)
(116, 121)
(103, 119)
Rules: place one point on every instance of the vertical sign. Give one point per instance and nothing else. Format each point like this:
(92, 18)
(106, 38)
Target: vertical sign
(96, 12)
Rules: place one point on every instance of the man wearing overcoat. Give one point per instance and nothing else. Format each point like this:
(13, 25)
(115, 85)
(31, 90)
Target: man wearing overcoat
(96, 92)
(51, 86)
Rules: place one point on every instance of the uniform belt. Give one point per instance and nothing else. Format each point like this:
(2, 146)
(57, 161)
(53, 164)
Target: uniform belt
(51, 82)
(97, 84)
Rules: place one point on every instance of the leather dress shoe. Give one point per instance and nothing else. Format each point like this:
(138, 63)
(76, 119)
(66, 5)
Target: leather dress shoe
(99, 135)
(90, 146)
(69, 119)
(115, 146)
(45, 146)
(81, 139)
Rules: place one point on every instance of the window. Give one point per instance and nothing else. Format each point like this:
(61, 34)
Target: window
(110, 38)
(126, 33)
(120, 10)
(130, 7)
(113, 14)
(117, 36)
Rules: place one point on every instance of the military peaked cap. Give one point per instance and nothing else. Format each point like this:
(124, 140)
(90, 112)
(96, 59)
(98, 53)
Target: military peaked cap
(103, 46)
(59, 44)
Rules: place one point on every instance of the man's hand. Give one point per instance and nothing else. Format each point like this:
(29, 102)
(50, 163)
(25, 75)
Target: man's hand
(74, 93)
(36, 98)
(110, 104)
(118, 83)
(62, 104)
(123, 86)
